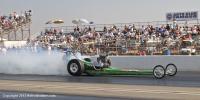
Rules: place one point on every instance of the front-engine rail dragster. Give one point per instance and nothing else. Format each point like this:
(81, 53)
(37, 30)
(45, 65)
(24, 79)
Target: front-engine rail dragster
(79, 65)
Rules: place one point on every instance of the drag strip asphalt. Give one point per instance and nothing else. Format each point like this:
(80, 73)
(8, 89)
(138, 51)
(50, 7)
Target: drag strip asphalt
(183, 86)
(182, 79)
(102, 90)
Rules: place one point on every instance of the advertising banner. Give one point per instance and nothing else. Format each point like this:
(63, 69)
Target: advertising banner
(182, 16)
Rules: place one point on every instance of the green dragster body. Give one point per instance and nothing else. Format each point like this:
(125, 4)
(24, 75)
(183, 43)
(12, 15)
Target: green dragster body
(114, 71)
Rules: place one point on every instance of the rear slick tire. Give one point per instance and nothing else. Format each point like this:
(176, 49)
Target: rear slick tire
(75, 68)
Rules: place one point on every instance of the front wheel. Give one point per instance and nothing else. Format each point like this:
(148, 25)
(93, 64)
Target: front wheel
(171, 69)
(159, 71)
(75, 68)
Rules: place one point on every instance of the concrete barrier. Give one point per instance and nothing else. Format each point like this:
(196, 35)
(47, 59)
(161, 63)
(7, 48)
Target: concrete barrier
(183, 62)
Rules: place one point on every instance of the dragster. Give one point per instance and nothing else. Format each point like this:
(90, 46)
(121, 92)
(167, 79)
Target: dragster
(78, 65)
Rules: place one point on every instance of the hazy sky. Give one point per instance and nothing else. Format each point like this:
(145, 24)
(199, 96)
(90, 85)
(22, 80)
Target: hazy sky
(99, 11)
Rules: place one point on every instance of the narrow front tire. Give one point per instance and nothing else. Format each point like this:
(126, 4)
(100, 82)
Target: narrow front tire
(171, 69)
(159, 71)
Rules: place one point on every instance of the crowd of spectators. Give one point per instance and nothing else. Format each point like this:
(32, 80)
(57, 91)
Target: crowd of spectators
(168, 35)
(13, 20)
(143, 39)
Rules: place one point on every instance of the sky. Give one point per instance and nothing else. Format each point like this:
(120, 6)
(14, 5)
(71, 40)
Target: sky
(98, 11)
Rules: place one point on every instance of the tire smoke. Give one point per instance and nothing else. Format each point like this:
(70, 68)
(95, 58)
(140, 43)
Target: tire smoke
(41, 63)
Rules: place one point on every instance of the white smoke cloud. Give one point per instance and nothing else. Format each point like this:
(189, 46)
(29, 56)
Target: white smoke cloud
(33, 63)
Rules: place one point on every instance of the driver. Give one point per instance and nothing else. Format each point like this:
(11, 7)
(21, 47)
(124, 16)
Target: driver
(98, 63)
(103, 61)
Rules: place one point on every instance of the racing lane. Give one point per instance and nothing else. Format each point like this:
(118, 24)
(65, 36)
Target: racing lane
(184, 85)
(182, 79)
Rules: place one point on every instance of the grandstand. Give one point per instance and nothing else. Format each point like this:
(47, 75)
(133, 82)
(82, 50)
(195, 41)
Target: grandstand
(15, 26)
(139, 38)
